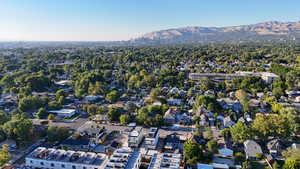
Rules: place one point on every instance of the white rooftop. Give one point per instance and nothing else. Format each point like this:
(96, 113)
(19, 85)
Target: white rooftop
(63, 111)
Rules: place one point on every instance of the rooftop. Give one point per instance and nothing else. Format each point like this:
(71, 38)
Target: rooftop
(60, 155)
(165, 161)
(152, 132)
(123, 158)
(136, 132)
(63, 111)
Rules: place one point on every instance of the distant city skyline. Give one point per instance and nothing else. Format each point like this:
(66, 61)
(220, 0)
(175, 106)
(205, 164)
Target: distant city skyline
(111, 20)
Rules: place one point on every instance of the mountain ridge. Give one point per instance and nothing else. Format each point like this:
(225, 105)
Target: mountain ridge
(263, 31)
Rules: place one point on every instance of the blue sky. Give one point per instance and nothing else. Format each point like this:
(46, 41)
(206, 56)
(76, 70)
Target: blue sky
(98, 20)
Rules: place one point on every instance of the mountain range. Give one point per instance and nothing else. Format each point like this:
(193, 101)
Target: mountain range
(261, 32)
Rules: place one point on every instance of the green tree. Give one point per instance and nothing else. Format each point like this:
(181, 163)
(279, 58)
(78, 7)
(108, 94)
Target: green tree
(142, 116)
(60, 93)
(212, 146)
(243, 97)
(96, 88)
(154, 94)
(291, 164)
(226, 133)
(130, 107)
(158, 120)
(113, 114)
(18, 128)
(278, 88)
(282, 125)
(263, 126)
(4, 117)
(42, 113)
(51, 117)
(92, 109)
(240, 132)
(4, 155)
(192, 152)
(276, 165)
(29, 103)
(124, 119)
(291, 153)
(239, 157)
(207, 101)
(206, 84)
(55, 133)
(112, 96)
(246, 165)
(286, 123)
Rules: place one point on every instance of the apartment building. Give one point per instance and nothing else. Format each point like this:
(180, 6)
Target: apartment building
(152, 138)
(165, 161)
(124, 158)
(135, 137)
(62, 159)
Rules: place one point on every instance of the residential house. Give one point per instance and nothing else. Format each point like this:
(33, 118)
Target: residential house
(228, 103)
(226, 152)
(227, 122)
(97, 135)
(197, 139)
(174, 90)
(184, 118)
(64, 113)
(275, 146)
(92, 98)
(223, 162)
(170, 116)
(174, 102)
(211, 118)
(63, 83)
(297, 99)
(172, 142)
(295, 146)
(204, 120)
(252, 149)
(205, 166)
(77, 144)
(212, 166)
(12, 145)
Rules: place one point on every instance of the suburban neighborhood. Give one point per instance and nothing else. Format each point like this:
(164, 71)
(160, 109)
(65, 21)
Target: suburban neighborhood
(97, 108)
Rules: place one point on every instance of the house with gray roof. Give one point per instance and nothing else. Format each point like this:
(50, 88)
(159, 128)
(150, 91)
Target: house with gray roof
(252, 149)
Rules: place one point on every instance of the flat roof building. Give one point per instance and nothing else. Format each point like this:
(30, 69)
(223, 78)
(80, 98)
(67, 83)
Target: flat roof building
(152, 138)
(268, 77)
(124, 158)
(64, 112)
(52, 158)
(135, 137)
(165, 161)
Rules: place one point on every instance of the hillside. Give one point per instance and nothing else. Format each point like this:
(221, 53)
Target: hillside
(266, 31)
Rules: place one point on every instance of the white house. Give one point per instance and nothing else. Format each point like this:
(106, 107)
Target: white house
(64, 112)
(61, 159)
(174, 102)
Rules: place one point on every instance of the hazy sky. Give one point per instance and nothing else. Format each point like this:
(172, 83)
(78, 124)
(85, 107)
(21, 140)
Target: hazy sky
(98, 20)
